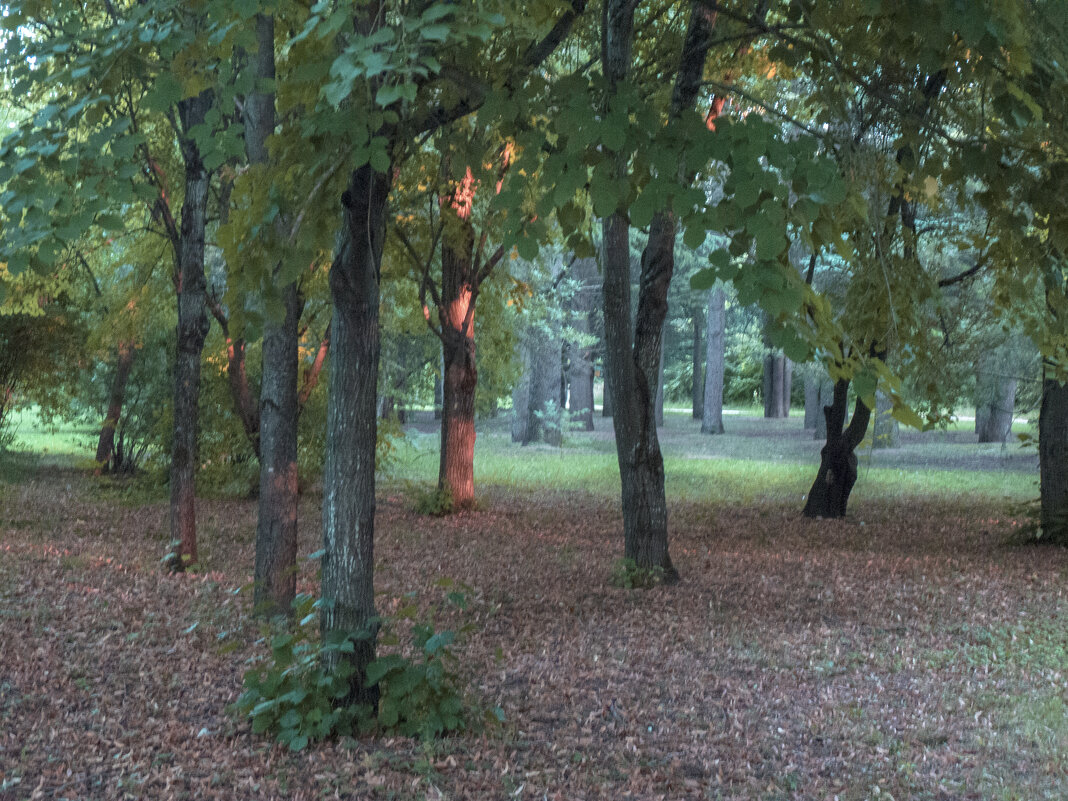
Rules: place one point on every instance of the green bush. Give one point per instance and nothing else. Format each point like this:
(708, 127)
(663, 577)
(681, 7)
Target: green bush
(436, 502)
(295, 698)
(627, 575)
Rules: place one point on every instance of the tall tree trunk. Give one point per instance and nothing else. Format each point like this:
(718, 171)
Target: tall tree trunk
(521, 394)
(697, 382)
(240, 392)
(1053, 459)
(456, 466)
(542, 425)
(633, 361)
(349, 475)
(787, 386)
(837, 474)
(105, 447)
(660, 386)
(276, 529)
(580, 371)
(607, 407)
(712, 422)
(192, 331)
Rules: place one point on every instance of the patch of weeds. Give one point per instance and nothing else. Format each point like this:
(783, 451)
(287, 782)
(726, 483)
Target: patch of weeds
(436, 502)
(627, 575)
(299, 698)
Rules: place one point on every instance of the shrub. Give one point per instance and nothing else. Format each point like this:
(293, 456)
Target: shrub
(627, 575)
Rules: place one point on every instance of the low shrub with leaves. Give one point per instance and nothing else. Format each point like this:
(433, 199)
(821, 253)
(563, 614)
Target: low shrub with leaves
(627, 575)
(436, 502)
(298, 700)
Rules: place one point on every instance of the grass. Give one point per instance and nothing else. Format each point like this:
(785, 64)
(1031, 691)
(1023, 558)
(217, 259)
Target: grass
(32, 433)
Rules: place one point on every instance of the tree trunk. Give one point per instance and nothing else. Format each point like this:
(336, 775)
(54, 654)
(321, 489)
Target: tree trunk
(633, 361)
(697, 382)
(660, 387)
(276, 530)
(607, 408)
(456, 472)
(812, 402)
(712, 422)
(542, 410)
(787, 386)
(521, 395)
(995, 401)
(580, 378)
(105, 448)
(192, 331)
(1053, 460)
(349, 475)
(837, 474)
(241, 394)
(275, 579)
(886, 425)
(824, 397)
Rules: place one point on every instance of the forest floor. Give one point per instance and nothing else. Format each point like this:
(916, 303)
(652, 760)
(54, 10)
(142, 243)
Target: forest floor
(911, 651)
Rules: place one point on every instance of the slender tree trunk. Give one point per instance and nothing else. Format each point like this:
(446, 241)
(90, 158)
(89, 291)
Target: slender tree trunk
(349, 475)
(1053, 460)
(837, 474)
(544, 384)
(521, 394)
(276, 530)
(580, 375)
(712, 422)
(787, 386)
(824, 398)
(240, 392)
(996, 401)
(812, 402)
(105, 447)
(660, 386)
(697, 384)
(192, 331)
(633, 361)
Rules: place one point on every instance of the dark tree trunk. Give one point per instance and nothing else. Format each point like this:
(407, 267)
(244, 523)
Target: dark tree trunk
(105, 447)
(456, 472)
(837, 474)
(607, 407)
(712, 422)
(276, 530)
(660, 386)
(192, 331)
(697, 358)
(776, 402)
(565, 369)
(349, 475)
(787, 386)
(1053, 460)
(275, 579)
(632, 361)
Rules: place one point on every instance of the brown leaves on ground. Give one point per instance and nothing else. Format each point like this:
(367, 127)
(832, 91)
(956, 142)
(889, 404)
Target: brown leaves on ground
(913, 655)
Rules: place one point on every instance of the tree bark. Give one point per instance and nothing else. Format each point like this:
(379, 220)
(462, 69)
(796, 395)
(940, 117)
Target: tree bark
(349, 475)
(995, 402)
(837, 474)
(456, 472)
(712, 421)
(697, 383)
(1053, 460)
(192, 331)
(775, 386)
(660, 385)
(105, 447)
(633, 361)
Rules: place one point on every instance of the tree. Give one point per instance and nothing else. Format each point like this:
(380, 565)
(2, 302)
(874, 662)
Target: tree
(712, 419)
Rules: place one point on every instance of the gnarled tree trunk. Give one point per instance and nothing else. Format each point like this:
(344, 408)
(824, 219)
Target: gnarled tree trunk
(834, 482)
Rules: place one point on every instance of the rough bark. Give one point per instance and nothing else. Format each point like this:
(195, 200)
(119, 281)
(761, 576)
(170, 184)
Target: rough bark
(458, 294)
(837, 474)
(192, 331)
(349, 475)
(632, 361)
(279, 407)
(660, 386)
(697, 382)
(712, 421)
(105, 447)
(1053, 460)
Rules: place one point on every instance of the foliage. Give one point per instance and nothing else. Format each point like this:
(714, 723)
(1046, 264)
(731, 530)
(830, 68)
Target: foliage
(628, 575)
(434, 501)
(295, 698)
